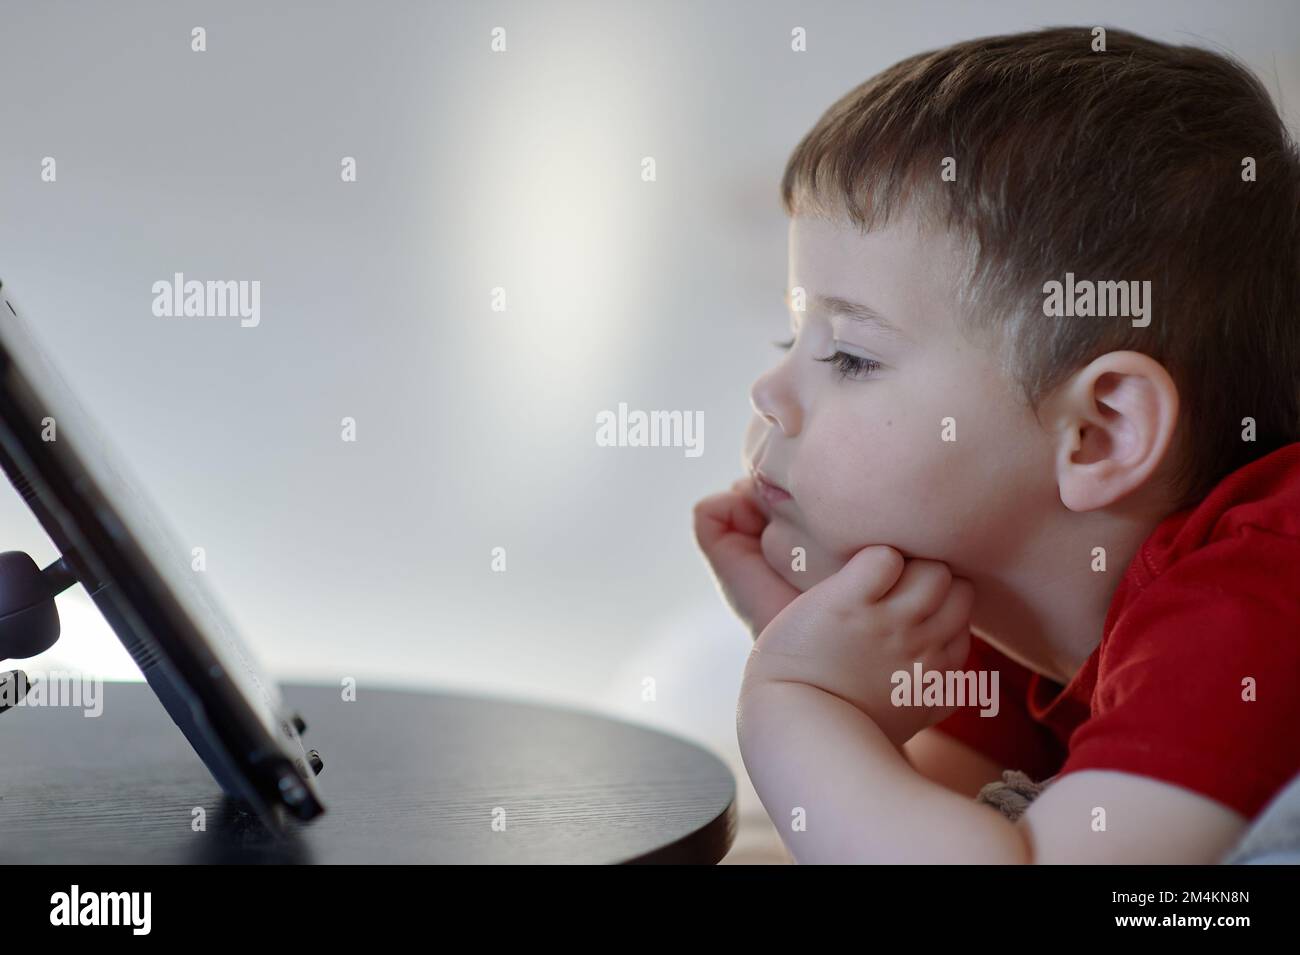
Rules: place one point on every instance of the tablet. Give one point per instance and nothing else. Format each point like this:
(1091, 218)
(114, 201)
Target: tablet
(127, 558)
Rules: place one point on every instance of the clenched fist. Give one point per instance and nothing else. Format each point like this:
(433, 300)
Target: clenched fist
(729, 529)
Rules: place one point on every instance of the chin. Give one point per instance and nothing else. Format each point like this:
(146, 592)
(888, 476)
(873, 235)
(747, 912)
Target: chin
(779, 540)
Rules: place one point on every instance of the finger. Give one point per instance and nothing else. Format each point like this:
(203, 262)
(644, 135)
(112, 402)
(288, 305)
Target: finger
(951, 655)
(920, 590)
(725, 513)
(749, 585)
(729, 530)
(955, 611)
(952, 620)
(957, 650)
(746, 489)
(865, 578)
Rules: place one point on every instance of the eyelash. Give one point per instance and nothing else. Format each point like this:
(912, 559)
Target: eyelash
(850, 366)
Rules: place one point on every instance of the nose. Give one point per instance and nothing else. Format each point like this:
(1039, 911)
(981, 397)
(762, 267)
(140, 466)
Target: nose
(774, 399)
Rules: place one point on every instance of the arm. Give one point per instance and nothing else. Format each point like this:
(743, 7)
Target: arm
(808, 749)
(1147, 821)
(951, 763)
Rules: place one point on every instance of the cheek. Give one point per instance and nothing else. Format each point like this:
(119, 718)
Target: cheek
(874, 480)
(845, 478)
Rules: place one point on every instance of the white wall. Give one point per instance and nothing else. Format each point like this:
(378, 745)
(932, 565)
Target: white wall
(475, 428)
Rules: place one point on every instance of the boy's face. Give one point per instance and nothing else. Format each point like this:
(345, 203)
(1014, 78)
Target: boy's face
(864, 456)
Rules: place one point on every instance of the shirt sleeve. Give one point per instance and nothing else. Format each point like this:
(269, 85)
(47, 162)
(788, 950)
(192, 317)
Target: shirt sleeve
(1198, 684)
(1012, 738)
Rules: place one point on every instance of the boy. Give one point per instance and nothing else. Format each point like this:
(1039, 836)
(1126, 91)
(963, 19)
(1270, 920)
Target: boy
(1039, 422)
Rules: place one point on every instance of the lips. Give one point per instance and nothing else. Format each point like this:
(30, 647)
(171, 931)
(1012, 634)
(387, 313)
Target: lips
(770, 491)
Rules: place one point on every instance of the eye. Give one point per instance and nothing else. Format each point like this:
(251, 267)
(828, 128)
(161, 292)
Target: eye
(852, 366)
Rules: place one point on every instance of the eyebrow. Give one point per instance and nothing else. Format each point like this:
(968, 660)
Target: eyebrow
(864, 314)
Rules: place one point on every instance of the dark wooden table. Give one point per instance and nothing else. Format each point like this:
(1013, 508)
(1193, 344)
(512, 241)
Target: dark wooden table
(409, 777)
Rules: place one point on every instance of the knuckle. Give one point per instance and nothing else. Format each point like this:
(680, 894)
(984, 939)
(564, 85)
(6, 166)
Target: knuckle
(941, 575)
(707, 504)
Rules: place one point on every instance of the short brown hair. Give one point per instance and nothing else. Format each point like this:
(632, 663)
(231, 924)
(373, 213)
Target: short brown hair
(1119, 165)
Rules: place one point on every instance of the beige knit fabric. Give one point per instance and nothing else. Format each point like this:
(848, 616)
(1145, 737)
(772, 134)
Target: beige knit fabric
(1012, 795)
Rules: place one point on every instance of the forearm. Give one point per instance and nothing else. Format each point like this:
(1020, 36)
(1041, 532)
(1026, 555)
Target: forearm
(953, 764)
(805, 748)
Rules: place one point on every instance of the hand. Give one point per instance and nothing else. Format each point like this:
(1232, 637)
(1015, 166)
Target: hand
(852, 631)
(729, 529)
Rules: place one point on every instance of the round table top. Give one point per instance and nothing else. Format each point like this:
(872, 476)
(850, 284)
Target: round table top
(409, 777)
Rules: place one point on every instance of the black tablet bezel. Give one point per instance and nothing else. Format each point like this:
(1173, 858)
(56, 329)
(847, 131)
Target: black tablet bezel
(267, 768)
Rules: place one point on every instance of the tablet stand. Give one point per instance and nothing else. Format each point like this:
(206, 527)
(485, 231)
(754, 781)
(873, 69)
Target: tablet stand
(29, 620)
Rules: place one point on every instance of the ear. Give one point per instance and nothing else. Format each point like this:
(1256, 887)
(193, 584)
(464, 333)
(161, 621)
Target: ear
(1112, 422)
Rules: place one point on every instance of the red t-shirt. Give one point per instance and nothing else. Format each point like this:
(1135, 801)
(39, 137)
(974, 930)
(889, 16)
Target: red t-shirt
(1211, 598)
